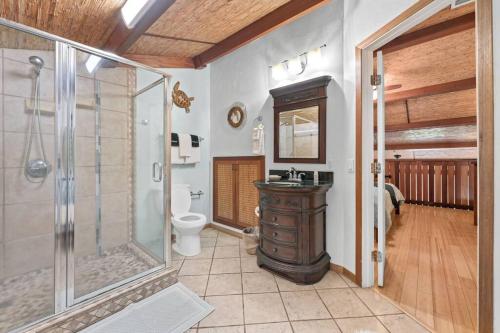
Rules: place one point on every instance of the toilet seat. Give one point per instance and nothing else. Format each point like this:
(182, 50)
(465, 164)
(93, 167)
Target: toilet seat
(186, 220)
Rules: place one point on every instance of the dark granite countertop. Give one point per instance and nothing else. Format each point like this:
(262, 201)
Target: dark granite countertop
(285, 184)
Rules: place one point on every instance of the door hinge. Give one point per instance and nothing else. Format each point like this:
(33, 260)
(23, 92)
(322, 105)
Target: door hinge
(376, 168)
(377, 256)
(376, 80)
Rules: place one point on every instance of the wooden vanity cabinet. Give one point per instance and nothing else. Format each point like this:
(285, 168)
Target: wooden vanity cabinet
(292, 232)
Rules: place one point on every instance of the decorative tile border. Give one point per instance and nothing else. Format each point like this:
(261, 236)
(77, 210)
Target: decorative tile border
(76, 320)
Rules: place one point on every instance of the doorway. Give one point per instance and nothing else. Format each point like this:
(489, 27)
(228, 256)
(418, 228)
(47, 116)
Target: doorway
(365, 152)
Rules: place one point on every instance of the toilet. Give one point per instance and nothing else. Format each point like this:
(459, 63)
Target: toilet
(187, 225)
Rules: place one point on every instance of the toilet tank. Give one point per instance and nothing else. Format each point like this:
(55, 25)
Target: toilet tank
(181, 199)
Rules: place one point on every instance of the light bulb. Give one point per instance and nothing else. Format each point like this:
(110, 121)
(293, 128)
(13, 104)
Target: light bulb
(315, 58)
(278, 72)
(295, 66)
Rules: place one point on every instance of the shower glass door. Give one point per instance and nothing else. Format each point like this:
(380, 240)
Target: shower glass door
(149, 183)
(84, 174)
(110, 150)
(27, 178)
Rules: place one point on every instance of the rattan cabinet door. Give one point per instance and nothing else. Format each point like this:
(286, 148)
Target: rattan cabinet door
(224, 192)
(235, 196)
(248, 195)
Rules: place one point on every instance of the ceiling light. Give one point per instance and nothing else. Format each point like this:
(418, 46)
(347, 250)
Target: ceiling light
(92, 63)
(278, 71)
(296, 66)
(134, 10)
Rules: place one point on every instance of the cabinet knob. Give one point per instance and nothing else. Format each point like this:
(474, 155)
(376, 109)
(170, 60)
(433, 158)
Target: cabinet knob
(275, 234)
(275, 219)
(275, 250)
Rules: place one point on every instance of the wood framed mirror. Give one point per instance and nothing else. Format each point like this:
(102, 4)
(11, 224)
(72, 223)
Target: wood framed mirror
(300, 121)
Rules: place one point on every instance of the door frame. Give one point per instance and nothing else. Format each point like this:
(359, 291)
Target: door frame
(485, 113)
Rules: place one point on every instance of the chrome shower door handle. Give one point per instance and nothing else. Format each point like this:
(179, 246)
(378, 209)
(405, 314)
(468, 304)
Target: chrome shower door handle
(157, 172)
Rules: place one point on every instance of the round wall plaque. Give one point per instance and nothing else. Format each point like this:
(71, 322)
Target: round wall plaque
(236, 115)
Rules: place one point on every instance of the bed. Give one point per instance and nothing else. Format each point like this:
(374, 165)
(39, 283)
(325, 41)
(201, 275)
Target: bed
(393, 200)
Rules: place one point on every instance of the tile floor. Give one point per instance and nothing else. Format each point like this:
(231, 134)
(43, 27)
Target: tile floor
(249, 299)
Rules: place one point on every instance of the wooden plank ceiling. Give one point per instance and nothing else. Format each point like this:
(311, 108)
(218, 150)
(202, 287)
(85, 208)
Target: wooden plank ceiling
(173, 33)
(430, 78)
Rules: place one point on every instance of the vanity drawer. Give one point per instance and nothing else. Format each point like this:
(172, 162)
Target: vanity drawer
(279, 201)
(276, 218)
(280, 252)
(281, 235)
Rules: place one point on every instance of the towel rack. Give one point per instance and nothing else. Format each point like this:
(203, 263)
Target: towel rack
(197, 194)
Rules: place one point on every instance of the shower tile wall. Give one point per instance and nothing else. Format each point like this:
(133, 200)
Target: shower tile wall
(115, 162)
(27, 209)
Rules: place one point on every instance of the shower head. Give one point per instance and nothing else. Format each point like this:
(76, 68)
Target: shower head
(37, 62)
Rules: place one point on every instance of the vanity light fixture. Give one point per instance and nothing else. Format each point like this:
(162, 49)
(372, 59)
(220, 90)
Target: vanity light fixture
(298, 65)
(133, 10)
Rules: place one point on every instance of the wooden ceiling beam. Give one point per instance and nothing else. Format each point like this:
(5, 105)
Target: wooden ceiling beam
(122, 38)
(449, 122)
(282, 15)
(432, 32)
(430, 145)
(436, 89)
(161, 61)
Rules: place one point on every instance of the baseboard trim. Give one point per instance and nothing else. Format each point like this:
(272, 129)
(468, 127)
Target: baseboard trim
(228, 230)
(344, 271)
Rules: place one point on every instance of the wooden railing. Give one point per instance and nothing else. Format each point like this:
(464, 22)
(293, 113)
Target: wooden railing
(443, 183)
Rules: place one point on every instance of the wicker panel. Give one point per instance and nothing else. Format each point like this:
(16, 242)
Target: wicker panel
(225, 190)
(438, 61)
(248, 194)
(87, 22)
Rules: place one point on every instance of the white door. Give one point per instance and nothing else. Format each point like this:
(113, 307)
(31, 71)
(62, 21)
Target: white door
(380, 169)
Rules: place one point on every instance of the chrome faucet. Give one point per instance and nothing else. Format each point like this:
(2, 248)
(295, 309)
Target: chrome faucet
(294, 176)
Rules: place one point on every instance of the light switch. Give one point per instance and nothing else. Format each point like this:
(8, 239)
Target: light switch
(350, 165)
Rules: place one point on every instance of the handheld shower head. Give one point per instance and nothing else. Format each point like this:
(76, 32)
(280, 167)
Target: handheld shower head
(37, 62)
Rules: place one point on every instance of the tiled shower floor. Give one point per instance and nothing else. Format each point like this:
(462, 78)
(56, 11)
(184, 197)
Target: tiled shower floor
(28, 297)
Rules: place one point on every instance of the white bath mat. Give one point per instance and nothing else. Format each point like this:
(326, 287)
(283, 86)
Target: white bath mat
(173, 310)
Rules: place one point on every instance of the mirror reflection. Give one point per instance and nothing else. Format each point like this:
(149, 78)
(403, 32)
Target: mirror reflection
(299, 133)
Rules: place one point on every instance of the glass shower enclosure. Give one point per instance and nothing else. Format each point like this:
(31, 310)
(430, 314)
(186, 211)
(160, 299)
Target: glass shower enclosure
(84, 174)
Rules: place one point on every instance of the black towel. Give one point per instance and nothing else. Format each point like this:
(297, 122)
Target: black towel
(195, 140)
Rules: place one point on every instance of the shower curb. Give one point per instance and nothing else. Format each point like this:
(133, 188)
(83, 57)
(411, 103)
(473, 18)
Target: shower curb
(89, 314)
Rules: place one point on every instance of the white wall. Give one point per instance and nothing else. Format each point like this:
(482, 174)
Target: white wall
(244, 76)
(361, 19)
(496, 67)
(196, 83)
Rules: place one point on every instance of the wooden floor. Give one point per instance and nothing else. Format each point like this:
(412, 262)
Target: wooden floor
(431, 269)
